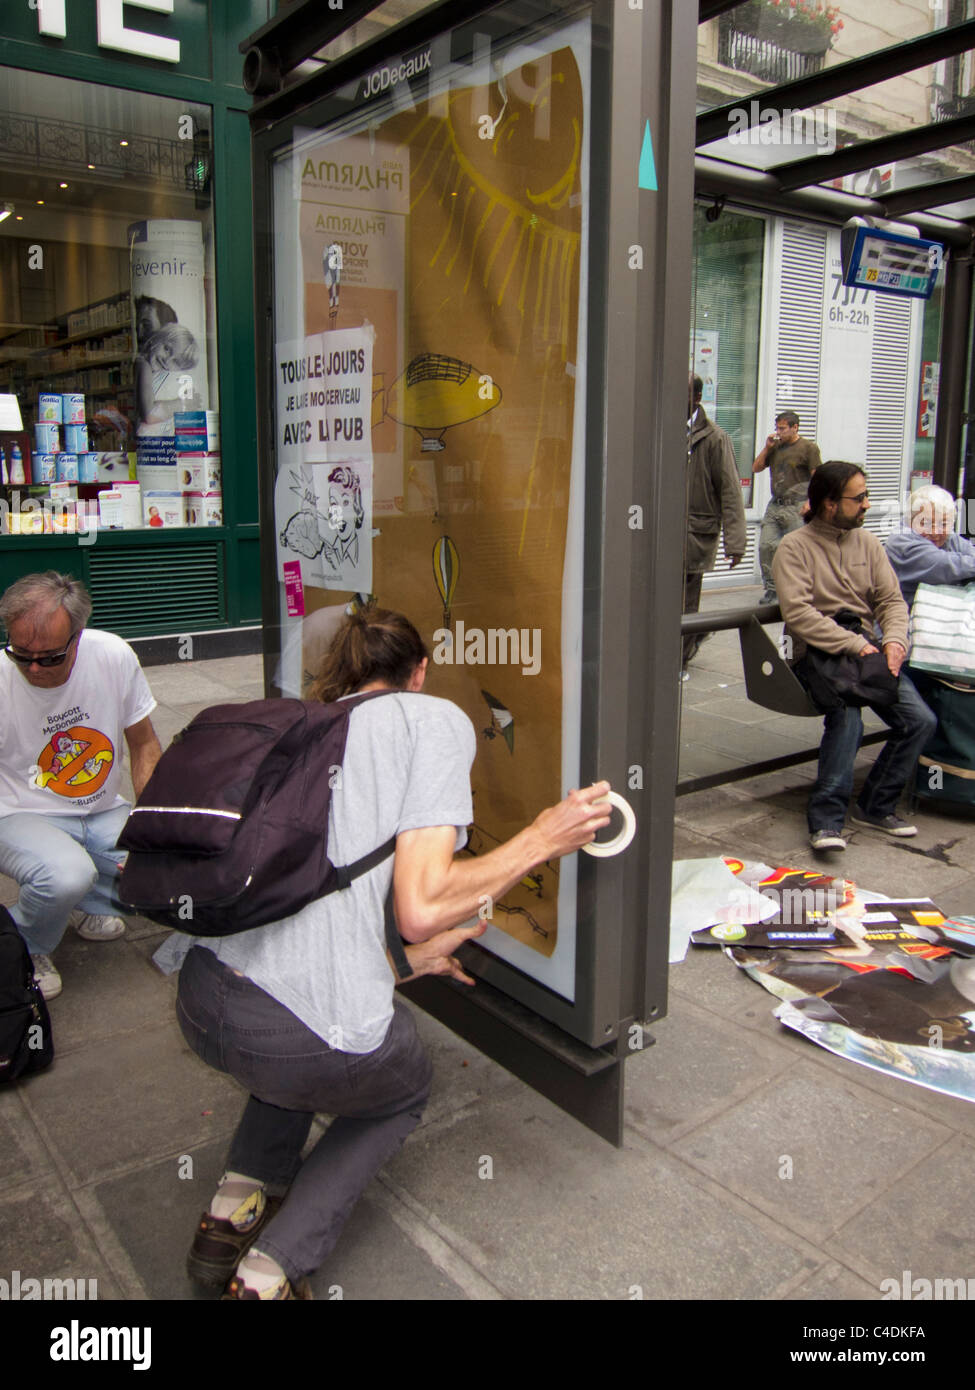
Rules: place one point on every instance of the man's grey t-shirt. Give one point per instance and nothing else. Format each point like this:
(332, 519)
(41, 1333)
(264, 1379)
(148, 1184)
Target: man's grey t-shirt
(406, 767)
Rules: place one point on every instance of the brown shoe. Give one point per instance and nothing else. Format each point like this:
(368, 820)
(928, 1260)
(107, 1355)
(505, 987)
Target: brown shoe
(237, 1289)
(218, 1245)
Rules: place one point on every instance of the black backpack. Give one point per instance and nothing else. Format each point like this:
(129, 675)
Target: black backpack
(26, 1044)
(230, 831)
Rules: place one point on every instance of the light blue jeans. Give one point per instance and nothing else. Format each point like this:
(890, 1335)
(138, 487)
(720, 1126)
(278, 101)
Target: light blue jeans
(60, 863)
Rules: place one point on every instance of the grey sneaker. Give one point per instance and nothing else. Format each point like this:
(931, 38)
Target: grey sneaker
(47, 976)
(93, 928)
(890, 825)
(827, 839)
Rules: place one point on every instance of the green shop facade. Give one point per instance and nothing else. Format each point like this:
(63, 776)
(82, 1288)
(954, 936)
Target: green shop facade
(127, 408)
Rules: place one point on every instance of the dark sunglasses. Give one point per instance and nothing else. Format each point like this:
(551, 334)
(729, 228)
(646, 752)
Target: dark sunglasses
(24, 659)
(858, 497)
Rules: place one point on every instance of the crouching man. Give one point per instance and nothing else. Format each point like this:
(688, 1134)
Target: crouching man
(69, 696)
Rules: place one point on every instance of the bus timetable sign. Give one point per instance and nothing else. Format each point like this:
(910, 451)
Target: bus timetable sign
(889, 262)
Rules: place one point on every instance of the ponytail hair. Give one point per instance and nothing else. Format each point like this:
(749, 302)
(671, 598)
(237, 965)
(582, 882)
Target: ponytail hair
(373, 644)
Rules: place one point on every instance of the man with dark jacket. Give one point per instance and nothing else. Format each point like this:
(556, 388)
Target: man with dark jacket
(829, 566)
(714, 506)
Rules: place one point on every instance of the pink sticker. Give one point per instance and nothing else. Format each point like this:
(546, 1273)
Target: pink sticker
(294, 589)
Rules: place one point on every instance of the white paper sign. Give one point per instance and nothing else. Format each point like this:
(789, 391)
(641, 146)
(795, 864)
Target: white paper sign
(323, 493)
(324, 398)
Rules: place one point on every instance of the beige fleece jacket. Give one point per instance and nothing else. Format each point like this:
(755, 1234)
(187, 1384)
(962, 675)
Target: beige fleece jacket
(820, 569)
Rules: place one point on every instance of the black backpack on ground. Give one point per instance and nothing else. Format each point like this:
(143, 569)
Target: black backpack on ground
(230, 831)
(26, 1044)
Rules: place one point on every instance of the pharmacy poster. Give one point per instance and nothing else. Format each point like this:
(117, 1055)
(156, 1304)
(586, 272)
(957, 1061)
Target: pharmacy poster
(323, 491)
(353, 199)
(166, 270)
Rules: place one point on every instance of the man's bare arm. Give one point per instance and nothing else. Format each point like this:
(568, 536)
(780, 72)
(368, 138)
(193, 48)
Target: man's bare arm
(762, 461)
(145, 751)
(433, 891)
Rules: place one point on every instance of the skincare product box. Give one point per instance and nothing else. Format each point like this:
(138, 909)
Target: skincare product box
(162, 509)
(203, 508)
(197, 431)
(120, 507)
(115, 468)
(158, 477)
(199, 472)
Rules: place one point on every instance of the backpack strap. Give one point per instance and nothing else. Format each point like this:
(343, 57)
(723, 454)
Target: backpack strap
(394, 942)
(344, 876)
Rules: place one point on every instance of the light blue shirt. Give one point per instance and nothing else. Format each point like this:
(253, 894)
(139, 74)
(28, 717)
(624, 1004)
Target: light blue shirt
(916, 560)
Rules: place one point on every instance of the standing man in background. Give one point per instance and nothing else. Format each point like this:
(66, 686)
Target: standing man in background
(714, 506)
(793, 460)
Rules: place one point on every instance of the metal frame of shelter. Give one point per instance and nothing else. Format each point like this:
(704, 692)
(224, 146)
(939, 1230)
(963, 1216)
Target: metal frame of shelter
(793, 187)
(638, 308)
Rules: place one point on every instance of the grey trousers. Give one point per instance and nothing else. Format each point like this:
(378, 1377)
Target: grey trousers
(780, 518)
(377, 1099)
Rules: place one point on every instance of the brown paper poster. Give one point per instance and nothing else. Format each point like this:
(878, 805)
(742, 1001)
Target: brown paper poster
(460, 226)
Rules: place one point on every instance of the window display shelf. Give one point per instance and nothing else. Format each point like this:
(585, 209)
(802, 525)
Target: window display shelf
(108, 360)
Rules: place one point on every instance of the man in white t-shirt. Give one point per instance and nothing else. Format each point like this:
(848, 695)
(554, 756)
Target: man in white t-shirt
(68, 697)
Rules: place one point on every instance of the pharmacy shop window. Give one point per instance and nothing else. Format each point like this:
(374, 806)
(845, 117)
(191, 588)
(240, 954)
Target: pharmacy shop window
(108, 351)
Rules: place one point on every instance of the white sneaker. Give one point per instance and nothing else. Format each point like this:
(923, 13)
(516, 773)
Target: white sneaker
(47, 976)
(94, 928)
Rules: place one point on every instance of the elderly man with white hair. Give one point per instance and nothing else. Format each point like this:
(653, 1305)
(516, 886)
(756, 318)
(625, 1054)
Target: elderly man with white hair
(928, 550)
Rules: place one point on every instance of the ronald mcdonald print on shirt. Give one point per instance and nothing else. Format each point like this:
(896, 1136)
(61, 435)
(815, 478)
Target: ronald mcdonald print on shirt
(75, 762)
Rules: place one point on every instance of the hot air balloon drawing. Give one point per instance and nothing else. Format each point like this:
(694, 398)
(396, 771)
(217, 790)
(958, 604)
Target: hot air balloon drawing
(502, 721)
(446, 568)
(332, 270)
(436, 392)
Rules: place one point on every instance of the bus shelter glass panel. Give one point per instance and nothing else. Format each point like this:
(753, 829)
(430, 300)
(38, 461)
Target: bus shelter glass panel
(726, 309)
(429, 266)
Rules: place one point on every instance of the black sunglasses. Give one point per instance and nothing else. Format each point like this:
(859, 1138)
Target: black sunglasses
(24, 659)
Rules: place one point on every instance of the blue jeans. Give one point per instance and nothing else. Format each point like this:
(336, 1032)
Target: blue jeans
(60, 863)
(912, 724)
(377, 1098)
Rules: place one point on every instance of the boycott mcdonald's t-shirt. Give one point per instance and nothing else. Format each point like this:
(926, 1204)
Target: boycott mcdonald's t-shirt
(61, 748)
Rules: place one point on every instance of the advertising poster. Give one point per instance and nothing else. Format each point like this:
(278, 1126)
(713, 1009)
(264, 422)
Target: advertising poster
(450, 223)
(352, 199)
(927, 405)
(704, 363)
(323, 491)
(166, 266)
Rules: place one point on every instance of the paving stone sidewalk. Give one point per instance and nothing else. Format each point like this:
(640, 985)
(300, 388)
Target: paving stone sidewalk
(107, 1159)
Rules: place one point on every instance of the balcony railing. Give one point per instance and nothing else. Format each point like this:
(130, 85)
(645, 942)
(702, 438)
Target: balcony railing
(771, 58)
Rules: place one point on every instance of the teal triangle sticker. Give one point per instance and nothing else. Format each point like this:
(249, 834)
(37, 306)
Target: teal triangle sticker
(648, 170)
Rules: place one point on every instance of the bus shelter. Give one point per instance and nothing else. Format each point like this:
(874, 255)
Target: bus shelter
(471, 276)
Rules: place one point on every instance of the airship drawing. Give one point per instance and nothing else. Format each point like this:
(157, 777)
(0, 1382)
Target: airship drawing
(436, 392)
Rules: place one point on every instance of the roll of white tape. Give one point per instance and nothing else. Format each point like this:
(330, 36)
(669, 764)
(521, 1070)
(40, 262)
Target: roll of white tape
(619, 844)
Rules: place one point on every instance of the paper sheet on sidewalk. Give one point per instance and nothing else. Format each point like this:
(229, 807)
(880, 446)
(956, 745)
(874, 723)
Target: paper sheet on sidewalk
(704, 892)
